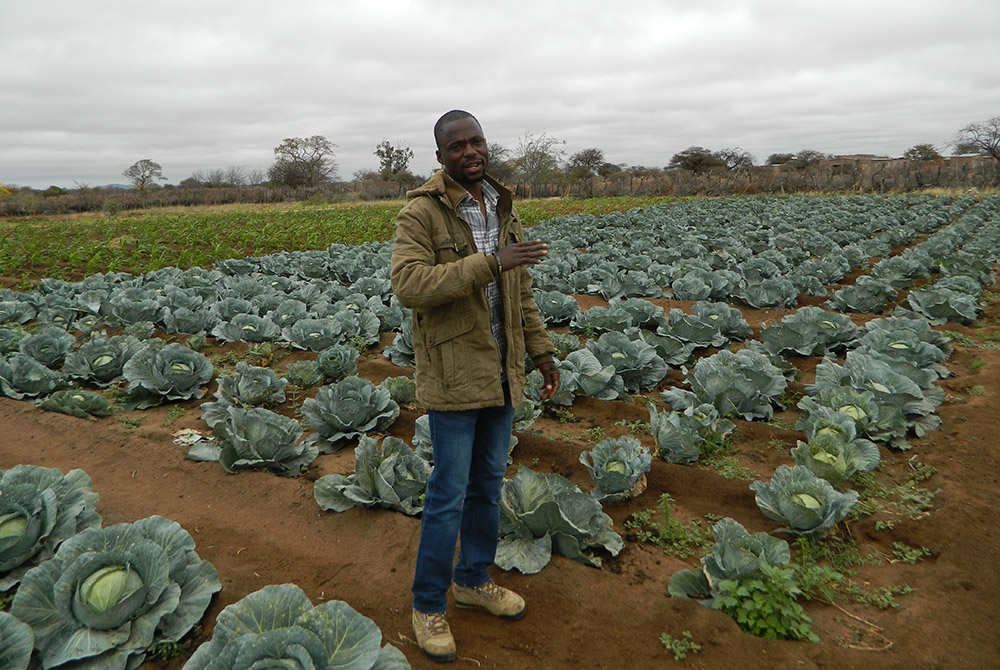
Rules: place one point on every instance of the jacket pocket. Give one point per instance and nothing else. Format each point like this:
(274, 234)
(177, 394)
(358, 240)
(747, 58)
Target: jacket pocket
(446, 249)
(444, 345)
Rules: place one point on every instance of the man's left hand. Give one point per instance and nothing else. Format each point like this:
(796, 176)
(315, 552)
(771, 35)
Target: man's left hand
(551, 375)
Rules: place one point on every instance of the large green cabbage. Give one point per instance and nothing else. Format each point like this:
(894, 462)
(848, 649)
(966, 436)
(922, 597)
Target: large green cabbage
(806, 504)
(542, 513)
(392, 476)
(278, 627)
(40, 508)
(109, 593)
(345, 410)
(16, 643)
(171, 373)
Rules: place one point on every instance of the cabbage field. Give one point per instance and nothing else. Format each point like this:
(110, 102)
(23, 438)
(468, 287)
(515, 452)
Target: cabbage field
(774, 441)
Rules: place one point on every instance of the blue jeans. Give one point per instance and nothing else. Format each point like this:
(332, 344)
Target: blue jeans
(463, 493)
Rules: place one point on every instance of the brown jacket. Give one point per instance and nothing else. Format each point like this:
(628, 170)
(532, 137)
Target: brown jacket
(439, 275)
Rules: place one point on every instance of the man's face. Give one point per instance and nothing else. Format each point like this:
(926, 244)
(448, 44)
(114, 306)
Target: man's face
(462, 151)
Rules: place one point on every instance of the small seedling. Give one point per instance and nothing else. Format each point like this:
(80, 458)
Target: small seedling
(681, 646)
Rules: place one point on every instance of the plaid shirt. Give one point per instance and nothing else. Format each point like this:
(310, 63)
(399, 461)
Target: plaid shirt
(486, 235)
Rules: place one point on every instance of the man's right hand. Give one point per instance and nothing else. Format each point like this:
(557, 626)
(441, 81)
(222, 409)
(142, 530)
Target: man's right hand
(522, 253)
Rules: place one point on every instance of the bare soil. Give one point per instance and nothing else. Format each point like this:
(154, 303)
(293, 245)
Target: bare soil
(259, 529)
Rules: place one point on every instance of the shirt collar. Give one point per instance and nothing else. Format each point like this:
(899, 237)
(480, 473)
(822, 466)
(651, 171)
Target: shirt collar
(490, 194)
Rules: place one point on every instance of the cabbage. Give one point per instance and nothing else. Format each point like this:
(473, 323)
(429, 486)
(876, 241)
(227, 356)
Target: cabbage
(542, 513)
(40, 508)
(392, 476)
(345, 410)
(278, 627)
(616, 465)
(171, 373)
(109, 593)
(806, 504)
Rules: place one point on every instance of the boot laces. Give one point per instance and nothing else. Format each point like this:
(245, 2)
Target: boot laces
(436, 623)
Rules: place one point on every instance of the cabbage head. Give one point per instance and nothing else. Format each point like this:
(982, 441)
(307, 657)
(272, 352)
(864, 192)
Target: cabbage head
(345, 410)
(171, 373)
(109, 593)
(683, 435)
(100, 360)
(834, 457)
(744, 384)
(314, 334)
(23, 377)
(808, 505)
(79, 403)
(555, 307)
(258, 438)
(49, 346)
(16, 642)
(248, 386)
(40, 508)
(278, 627)
(402, 389)
(392, 476)
(638, 363)
(736, 555)
(542, 513)
(616, 465)
(338, 361)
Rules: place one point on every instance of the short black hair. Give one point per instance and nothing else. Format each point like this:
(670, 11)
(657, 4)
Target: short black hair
(448, 117)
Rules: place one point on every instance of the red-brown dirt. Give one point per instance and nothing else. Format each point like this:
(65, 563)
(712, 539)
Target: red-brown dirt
(259, 529)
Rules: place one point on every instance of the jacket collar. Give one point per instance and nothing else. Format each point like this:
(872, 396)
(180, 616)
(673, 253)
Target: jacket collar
(446, 189)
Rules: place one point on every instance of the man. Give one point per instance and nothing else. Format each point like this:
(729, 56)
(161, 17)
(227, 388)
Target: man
(459, 262)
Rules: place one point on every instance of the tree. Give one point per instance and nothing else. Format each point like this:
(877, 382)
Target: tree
(807, 157)
(587, 159)
(303, 161)
(537, 158)
(736, 158)
(922, 152)
(144, 172)
(393, 160)
(780, 159)
(695, 159)
(980, 138)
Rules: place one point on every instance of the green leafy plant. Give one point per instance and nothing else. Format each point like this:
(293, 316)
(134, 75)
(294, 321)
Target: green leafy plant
(680, 647)
(287, 631)
(40, 508)
(122, 588)
(545, 513)
(765, 605)
(662, 529)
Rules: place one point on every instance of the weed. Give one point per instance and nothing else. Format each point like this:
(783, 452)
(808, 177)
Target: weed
(765, 605)
(780, 445)
(680, 647)
(593, 435)
(978, 391)
(564, 414)
(780, 424)
(884, 525)
(976, 363)
(904, 553)
(883, 598)
(669, 533)
(174, 412)
(6, 599)
(164, 651)
(358, 342)
(635, 427)
(130, 423)
(728, 467)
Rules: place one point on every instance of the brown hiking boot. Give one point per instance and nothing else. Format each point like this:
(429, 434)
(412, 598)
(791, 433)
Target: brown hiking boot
(434, 636)
(492, 598)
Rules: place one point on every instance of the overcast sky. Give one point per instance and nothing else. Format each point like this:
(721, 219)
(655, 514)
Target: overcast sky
(88, 88)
